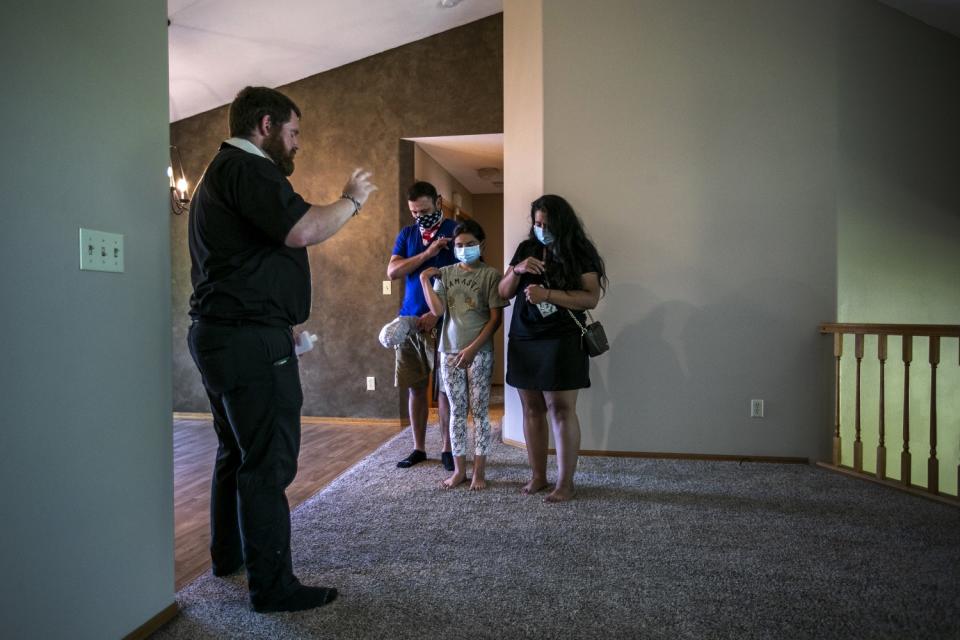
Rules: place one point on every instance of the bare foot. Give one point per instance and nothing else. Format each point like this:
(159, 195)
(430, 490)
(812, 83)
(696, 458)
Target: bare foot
(535, 485)
(479, 483)
(454, 480)
(559, 494)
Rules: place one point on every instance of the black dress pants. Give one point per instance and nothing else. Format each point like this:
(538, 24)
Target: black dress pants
(252, 378)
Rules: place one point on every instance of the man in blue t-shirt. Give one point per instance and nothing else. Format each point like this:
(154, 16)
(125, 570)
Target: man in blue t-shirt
(426, 243)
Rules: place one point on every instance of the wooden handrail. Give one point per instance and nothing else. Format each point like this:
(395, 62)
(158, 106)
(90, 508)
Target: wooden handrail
(935, 330)
(934, 334)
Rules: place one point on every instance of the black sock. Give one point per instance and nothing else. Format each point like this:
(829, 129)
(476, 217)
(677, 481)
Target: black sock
(446, 458)
(412, 459)
(301, 599)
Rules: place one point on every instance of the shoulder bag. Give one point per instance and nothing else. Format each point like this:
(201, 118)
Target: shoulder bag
(592, 336)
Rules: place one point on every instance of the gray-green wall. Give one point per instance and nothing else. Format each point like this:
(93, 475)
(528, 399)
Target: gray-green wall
(355, 115)
(86, 540)
(899, 223)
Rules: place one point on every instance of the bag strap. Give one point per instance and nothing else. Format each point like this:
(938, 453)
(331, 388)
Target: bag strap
(583, 329)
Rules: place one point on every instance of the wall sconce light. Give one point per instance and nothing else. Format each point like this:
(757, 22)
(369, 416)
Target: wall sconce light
(179, 187)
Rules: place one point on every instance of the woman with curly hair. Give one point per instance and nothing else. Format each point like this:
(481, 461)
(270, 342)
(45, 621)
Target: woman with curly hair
(555, 274)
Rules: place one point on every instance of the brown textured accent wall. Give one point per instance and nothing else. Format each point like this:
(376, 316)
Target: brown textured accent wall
(355, 115)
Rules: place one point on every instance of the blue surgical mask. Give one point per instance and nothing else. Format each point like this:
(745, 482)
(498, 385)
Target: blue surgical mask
(467, 254)
(543, 235)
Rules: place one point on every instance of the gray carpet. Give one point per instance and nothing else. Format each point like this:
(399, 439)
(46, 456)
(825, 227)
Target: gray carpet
(649, 549)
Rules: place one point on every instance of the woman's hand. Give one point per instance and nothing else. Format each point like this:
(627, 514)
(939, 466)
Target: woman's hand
(536, 294)
(465, 358)
(529, 265)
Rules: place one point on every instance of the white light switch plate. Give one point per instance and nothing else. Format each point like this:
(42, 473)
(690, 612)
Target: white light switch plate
(101, 251)
(387, 287)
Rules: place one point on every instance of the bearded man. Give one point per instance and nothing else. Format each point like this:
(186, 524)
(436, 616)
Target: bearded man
(248, 234)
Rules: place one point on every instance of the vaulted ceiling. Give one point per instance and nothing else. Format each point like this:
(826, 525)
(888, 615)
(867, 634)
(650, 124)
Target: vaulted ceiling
(217, 47)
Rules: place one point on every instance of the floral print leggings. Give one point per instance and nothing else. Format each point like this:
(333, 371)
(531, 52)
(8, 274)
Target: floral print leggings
(456, 382)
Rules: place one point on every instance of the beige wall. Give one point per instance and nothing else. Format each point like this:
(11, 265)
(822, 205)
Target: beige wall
(697, 142)
(522, 144)
(355, 115)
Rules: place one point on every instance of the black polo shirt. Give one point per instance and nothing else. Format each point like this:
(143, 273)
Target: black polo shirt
(240, 215)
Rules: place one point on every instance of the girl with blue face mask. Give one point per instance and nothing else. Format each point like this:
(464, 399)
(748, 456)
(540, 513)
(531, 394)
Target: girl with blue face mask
(466, 295)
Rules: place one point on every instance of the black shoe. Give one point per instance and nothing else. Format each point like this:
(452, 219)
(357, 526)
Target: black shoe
(301, 599)
(227, 570)
(446, 458)
(412, 459)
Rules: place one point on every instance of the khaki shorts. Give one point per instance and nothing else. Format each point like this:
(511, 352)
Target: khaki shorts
(415, 360)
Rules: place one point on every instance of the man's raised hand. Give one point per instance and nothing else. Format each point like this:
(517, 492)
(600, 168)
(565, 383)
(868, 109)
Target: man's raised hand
(359, 186)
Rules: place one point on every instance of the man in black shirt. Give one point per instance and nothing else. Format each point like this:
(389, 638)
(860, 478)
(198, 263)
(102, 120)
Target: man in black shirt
(248, 235)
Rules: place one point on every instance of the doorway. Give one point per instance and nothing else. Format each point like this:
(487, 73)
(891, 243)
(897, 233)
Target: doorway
(467, 171)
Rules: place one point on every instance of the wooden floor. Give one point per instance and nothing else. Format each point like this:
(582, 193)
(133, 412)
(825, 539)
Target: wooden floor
(328, 448)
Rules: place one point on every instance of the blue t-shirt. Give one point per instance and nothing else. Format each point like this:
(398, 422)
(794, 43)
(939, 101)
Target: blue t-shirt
(409, 243)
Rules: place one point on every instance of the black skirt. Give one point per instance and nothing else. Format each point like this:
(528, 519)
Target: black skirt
(547, 364)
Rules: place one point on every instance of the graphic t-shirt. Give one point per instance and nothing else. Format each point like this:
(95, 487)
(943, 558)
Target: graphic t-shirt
(468, 296)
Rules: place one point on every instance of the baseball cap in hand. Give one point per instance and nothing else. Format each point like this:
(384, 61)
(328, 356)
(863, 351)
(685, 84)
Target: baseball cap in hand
(397, 330)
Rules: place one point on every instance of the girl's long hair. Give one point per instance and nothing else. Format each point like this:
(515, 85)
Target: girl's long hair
(572, 252)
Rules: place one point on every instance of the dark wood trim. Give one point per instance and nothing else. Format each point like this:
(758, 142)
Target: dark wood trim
(892, 484)
(674, 456)
(153, 624)
(190, 415)
(940, 330)
(667, 455)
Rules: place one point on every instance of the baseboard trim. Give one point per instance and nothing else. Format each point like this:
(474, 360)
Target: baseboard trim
(153, 624)
(665, 455)
(943, 498)
(390, 422)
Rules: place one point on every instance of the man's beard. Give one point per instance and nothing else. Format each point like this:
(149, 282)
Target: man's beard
(273, 147)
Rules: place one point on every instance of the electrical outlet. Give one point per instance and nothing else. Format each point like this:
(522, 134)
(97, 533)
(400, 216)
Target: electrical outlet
(371, 383)
(387, 287)
(101, 251)
(756, 408)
